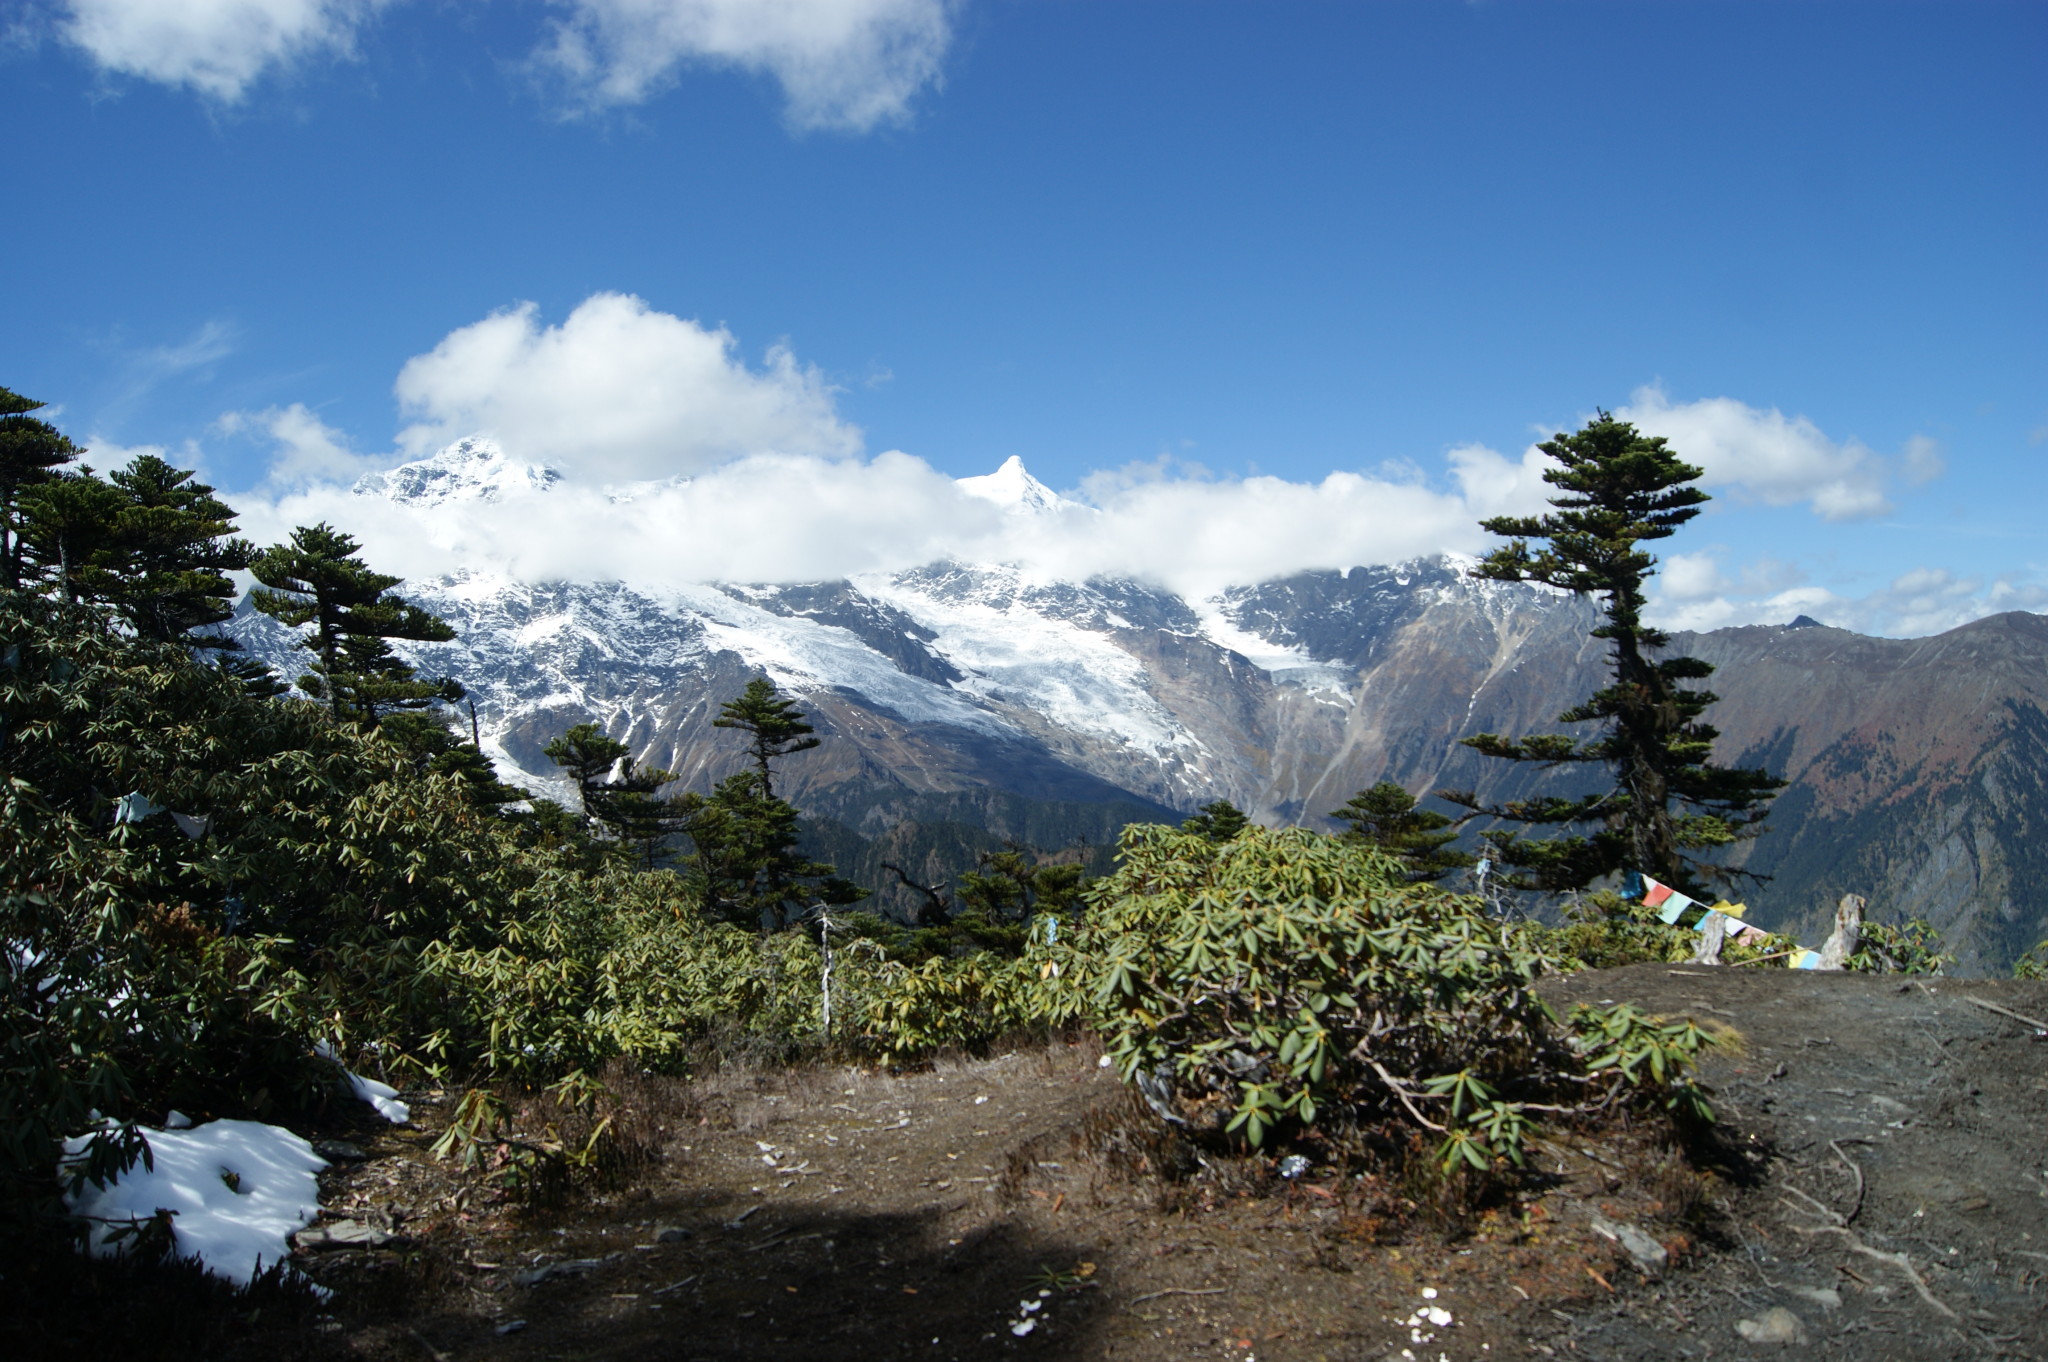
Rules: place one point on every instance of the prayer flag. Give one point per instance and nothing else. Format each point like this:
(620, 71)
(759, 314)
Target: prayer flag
(1674, 907)
(1654, 893)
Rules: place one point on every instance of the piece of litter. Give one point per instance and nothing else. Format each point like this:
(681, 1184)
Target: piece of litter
(1102, 1063)
(510, 1326)
(1293, 1166)
(980, 1100)
(1023, 1327)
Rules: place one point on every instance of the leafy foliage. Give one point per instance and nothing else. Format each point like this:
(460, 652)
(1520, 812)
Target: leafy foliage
(1910, 947)
(1286, 979)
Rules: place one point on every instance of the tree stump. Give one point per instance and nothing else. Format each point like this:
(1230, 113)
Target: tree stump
(1848, 932)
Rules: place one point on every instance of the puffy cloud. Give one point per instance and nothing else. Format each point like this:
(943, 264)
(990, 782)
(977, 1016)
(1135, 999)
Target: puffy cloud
(1780, 460)
(618, 391)
(218, 47)
(850, 64)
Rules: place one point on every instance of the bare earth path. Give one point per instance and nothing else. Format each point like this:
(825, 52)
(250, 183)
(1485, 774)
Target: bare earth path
(1895, 1203)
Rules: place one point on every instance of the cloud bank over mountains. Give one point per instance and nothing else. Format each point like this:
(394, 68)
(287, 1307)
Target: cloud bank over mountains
(850, 65)
(680, 462)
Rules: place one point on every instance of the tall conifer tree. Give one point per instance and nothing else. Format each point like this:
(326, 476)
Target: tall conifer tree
(1617, 490)
(317, 579)
(30, 450)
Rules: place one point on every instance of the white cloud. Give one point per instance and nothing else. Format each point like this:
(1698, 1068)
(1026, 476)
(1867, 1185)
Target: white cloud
(1778, 459)
(1916, 603)
(781, 517)
(308, 450)
(218, 47)
(617, 392)
(851, 64)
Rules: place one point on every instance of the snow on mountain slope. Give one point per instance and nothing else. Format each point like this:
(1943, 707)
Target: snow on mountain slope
(475, 468)
(1124, 682)
(1014, 489)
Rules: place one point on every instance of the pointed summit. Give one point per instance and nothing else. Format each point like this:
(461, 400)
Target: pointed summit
(474, 468)
(1014, 489)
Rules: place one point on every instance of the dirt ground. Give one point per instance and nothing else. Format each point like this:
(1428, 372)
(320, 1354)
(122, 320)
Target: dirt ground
(1882, 1182)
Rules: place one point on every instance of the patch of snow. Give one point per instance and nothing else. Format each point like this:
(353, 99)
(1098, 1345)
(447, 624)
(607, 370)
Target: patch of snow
(237, 1190)
(1075, 677)
(382, 1096)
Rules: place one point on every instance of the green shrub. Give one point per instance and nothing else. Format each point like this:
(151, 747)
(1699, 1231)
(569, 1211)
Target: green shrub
(2032, 965)
(1910, 947)
(1287, 979)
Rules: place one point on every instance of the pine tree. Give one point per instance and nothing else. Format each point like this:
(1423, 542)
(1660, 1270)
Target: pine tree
(69, 535)
(777, 726)
(317, 579)
(1219, 821)
(1618, 490)
(747, 865)
(176, 547)
(1386, 817)
(30, 448)
(619, 795)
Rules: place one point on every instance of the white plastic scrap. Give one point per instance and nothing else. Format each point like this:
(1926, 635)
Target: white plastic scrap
(236, 1190)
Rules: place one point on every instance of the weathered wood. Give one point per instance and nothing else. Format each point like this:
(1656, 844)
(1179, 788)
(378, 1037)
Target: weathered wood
(1847, 934)
(1712, 932)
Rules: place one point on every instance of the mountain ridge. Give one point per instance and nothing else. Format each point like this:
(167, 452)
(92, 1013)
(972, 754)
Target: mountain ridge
(969, 682)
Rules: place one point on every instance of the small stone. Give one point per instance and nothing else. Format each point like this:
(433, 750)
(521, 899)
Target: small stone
(1649, 1255)
(1776, 1325)
(339, 1151)
(671, 1234)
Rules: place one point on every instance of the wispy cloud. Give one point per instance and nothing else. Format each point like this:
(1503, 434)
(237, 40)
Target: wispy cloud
(842, 64)
(305, 450)
(219, 48)
(849, 65)
(1692, 592)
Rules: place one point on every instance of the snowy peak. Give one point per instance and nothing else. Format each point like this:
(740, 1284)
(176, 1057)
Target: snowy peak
(474, 468)
(1014, 489)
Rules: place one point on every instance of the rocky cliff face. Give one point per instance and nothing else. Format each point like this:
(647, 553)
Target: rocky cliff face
(979, 695)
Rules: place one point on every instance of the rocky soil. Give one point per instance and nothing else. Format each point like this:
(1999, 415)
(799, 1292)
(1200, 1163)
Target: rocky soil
(1879, 1190)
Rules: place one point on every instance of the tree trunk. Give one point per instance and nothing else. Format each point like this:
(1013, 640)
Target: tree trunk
(1847, 934)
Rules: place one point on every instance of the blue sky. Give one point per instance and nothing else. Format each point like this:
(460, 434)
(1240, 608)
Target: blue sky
(1154, 249)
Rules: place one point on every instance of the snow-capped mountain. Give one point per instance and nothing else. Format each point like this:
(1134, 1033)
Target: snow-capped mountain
(475, 469)
(980, 693)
